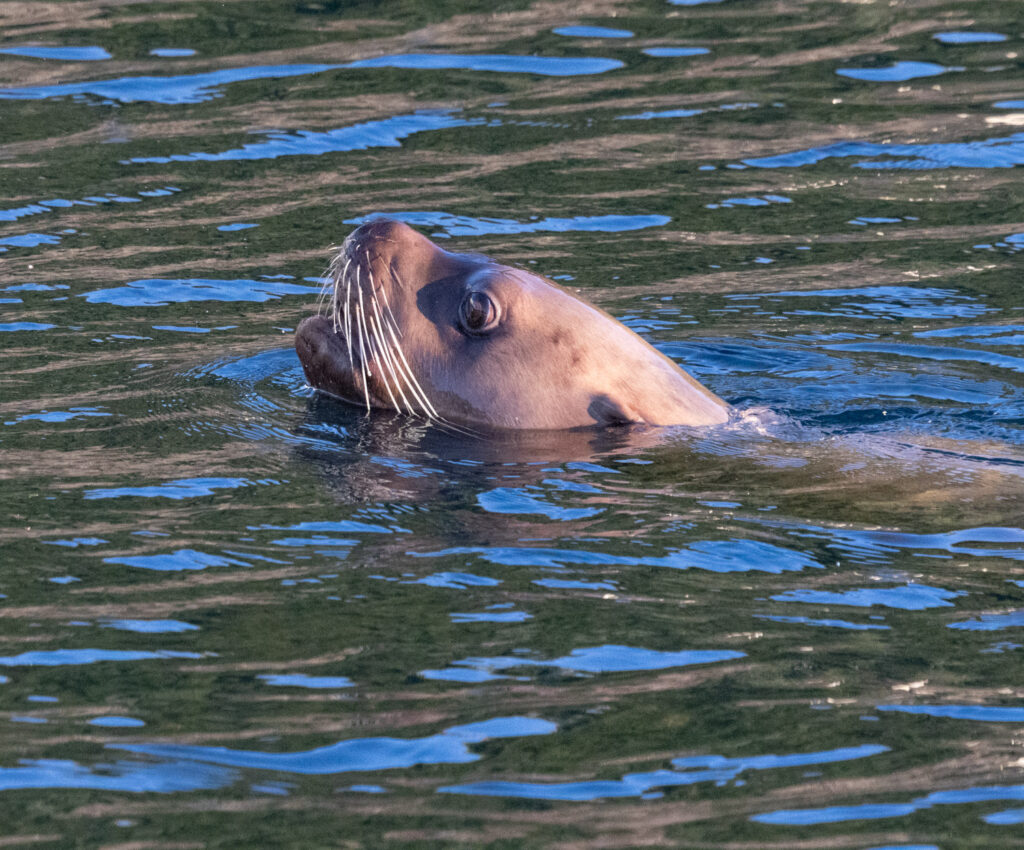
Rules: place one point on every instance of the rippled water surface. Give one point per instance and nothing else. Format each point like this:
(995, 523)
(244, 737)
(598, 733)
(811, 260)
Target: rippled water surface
(234, 613)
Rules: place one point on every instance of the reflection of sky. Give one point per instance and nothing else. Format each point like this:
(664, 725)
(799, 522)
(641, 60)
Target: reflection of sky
(990, 153)
(875, 811)
(688, 771)
(452, 746)
(592, 659)
(196, 88)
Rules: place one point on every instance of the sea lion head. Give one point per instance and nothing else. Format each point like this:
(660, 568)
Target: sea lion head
(460, 338)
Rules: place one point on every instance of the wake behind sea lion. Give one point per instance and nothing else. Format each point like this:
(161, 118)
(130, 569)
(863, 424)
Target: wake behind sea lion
(462, 339)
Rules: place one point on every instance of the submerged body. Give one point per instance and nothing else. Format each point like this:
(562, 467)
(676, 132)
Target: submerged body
(460, 338)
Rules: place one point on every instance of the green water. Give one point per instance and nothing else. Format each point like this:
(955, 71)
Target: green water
(237, 614)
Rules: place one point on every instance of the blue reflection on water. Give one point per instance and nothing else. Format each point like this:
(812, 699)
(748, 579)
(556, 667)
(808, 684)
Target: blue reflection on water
(993, 714)
(592, 32)
(135, 777)
(968, 37)
(300, 680)
(11, 327)
(875, 546)
(665, 113)
(909, 597)
(989, 153)
(570, 584)
(448, 747)
(609, 658)
(835, 624)
(114, 721)
(75, 542)
(60, 415)
(929, 352)
(71, 657)
(183, 559)
(67, 54)
(159, 292)
(196, 88)
(720, 556)
(510, 500)
(675, 51)
(238, 225)
(874, 811)
(30, 240)
(172, 52)
(149, 627)
(183, 488)
(548, 66)
(13, 214)
(690, 771)
(343, 526)
(457, 581)
(1008, 817)
(881, 302)
(991, 622)
(492, 617)
(896, 73)
(461, 225)
(385, 133)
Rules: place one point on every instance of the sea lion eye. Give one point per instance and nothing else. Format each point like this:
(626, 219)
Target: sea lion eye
(478, 313)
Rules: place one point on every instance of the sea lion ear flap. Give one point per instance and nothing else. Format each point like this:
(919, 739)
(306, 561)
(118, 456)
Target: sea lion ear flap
(606, 411)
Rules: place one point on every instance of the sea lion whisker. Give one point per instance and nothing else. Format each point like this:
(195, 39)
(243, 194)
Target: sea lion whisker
(348, 308)
(363, 367)
(376, 346)
(387, 303)
(414, 385)
(385, 353)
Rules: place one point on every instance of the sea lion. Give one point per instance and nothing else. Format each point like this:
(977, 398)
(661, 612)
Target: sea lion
(464, 340)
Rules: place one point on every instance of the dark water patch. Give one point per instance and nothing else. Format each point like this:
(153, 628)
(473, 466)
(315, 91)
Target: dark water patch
(450, 746)
(691, 770)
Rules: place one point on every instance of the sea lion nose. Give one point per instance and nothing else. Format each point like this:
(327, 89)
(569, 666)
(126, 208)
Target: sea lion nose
(383, 229)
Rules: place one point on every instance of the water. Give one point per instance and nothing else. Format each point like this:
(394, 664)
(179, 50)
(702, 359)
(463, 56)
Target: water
(238, 614)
